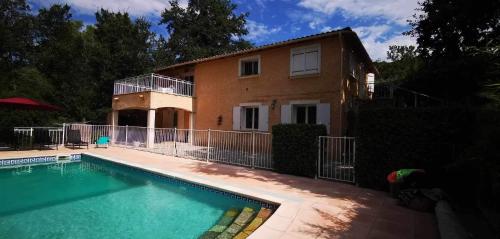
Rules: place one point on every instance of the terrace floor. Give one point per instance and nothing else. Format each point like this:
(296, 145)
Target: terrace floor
(309, 208)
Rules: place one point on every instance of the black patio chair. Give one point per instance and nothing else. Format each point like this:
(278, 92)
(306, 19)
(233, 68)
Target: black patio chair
(42, 138)
(75, 139)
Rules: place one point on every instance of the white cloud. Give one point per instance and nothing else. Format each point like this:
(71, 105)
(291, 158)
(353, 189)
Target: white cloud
(394, 10)
(314, 20)
(258, 32)
(133, 7)
(377, 39)
(329, 29)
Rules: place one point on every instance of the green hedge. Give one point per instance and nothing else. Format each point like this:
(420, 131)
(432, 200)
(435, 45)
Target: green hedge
(393, 138)
(487, 151)
(295, 148)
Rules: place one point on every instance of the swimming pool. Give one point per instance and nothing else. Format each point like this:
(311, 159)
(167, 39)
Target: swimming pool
(94, 198)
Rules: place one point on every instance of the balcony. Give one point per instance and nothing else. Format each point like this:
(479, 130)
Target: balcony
(152, 91)
(153, 83)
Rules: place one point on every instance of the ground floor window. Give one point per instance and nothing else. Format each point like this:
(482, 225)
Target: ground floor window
(251, 119)
(304, 114)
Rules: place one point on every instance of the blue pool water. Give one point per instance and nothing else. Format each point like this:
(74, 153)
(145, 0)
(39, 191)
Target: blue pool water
(98, 199)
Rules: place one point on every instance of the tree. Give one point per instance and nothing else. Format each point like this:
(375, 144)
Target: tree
(16, 43)
(118, 48)
(444, 32)
(61, 58)
(403, 66)
(204, 28)
(16, 35)
(161, 53)
(490, 90)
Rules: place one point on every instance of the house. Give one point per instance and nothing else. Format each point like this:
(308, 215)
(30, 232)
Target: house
(312, 79)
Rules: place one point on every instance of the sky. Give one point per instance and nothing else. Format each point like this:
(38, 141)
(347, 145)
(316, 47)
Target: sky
(379, 23)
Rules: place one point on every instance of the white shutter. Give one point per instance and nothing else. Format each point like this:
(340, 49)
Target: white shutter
(323, 115)
(286, 114)
(236, 118)
(298, 62)
(263, 118)
(311, 61)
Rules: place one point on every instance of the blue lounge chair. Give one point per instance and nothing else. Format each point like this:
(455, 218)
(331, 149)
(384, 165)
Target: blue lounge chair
(102, 141)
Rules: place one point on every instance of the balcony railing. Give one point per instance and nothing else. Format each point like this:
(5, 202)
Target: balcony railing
(153, 82)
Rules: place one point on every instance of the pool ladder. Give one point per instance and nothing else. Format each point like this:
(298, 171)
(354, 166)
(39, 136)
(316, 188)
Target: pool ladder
(23, 169)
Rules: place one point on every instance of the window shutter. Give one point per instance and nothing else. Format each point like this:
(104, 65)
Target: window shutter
(263, 118)
(323, 115)
(236, 118)
(298, 62)
(286, 114)
(305, 60)
(311, 61)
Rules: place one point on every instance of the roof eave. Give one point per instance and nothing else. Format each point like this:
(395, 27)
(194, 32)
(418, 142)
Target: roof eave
(269, 46)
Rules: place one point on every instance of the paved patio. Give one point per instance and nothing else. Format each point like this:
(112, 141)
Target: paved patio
(309, 208)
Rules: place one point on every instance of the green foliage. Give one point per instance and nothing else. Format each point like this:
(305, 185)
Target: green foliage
(204, 28)
(487, 151)
(60, 56)
(119, 48)
(161, 53)
(490, 90)
(295, 148)
(403, 67)
(48, 56)
(445, 30)
(389, 139)
(16, 35)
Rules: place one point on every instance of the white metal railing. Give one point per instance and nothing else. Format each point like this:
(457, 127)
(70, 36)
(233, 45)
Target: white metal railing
(251, 149)
(27, 136)
(336, 155)
(89, 133)
(153, 82)
(336, 158)
(403, 97)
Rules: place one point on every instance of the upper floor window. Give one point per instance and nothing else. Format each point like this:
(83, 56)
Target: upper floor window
(305, 60)
(250, 66)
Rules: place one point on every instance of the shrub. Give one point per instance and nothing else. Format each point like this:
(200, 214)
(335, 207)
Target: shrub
(389, 139)
(295, 148)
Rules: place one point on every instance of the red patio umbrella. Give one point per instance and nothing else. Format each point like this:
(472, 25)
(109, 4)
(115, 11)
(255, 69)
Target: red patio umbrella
(27, 104)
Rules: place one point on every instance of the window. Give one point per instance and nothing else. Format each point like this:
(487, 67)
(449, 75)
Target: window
(305, 60)
(251, 119)
(250, 66)
(251, 116)
(304, 114)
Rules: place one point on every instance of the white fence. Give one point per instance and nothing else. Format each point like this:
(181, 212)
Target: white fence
(153, 82)
(27, 136)
(251, 149)
(336, 155)
(336, 158)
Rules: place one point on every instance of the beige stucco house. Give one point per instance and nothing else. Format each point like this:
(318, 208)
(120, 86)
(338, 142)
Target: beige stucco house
(312, 79)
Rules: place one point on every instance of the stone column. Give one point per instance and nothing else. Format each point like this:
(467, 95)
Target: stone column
(151, 128)
(191, 126)
(114, 123)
